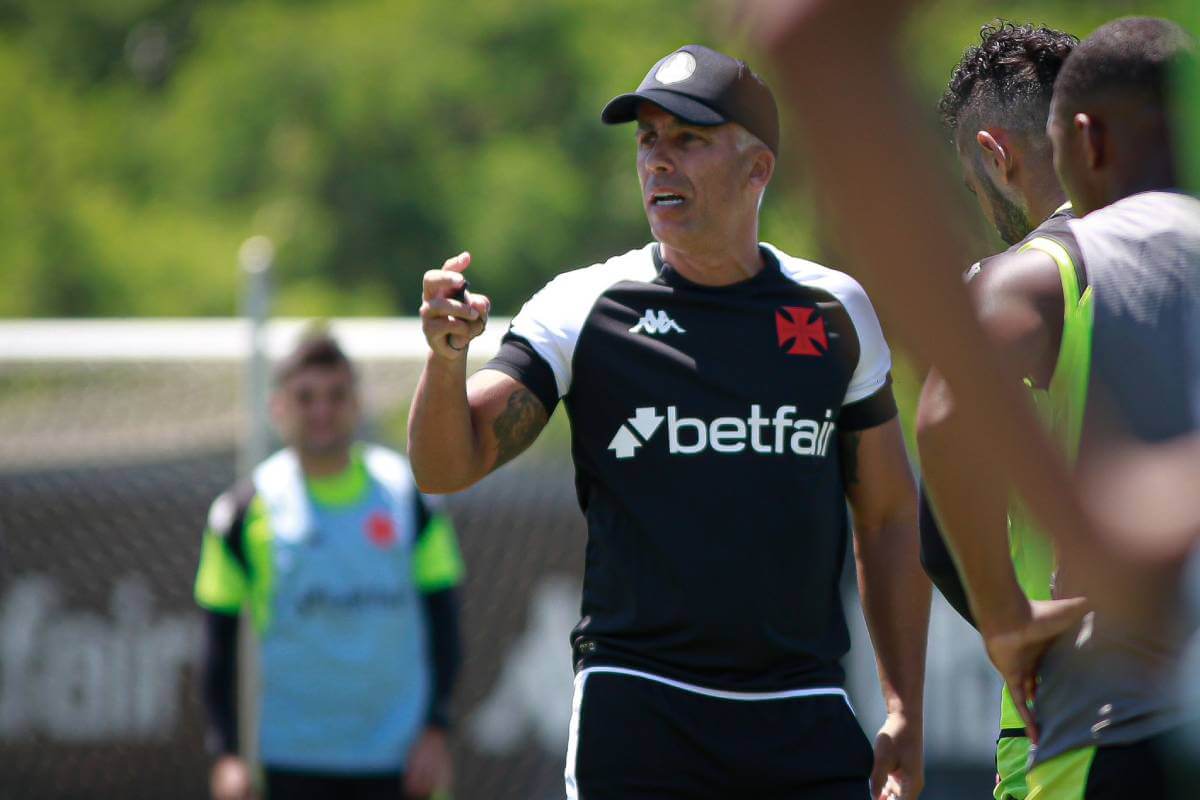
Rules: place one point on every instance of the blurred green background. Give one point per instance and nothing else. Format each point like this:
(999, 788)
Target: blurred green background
(143, 140)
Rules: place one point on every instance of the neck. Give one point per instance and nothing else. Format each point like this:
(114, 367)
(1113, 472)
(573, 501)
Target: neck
(1043, 204)
(1152, 176)
(322, 465)
(1042, 195)
(716, 268)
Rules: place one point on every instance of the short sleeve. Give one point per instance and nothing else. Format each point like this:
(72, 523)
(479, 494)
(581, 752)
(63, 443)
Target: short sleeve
(221, 583)
(220, 580)
(548, 325)
(875, 409)
(539, 347)
(437, 562)
(871, 374)
(519, 360)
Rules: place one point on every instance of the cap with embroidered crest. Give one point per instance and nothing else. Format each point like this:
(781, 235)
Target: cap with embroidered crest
(703, 87)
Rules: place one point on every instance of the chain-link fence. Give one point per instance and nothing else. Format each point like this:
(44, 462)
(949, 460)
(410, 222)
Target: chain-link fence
(107, 468)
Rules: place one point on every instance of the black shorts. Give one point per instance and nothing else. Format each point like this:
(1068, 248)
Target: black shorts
(287, 784)
(634, 737)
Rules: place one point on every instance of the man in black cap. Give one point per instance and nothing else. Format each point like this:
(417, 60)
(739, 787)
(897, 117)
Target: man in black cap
(705, 376)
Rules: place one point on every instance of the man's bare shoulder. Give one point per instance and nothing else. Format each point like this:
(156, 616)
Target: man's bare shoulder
(1031, 276)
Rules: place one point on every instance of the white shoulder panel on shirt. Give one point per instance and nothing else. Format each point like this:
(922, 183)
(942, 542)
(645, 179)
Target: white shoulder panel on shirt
(552, 319)
(221, 514)
(874, 359)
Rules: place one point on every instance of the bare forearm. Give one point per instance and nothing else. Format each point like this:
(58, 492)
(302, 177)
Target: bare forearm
(968, 493)
(895, 596)
(443, 444)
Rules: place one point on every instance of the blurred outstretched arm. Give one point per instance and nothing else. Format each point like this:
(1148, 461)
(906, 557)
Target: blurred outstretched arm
(866, 155)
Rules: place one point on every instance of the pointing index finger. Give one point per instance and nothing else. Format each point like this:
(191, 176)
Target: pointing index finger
(458, 263)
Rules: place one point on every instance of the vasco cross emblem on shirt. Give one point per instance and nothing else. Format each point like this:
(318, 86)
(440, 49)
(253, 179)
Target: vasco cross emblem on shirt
(800, 330)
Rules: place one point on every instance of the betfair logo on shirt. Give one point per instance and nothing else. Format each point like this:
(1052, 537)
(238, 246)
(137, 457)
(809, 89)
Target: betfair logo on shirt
(778, 434)
(656, 322)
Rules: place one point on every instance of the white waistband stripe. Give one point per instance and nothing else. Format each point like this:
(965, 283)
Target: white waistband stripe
(718, 693)
(573, 738)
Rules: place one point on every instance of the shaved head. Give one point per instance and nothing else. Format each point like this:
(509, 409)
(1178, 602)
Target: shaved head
(1110, 119)
(1135, 54)
(1131, 55)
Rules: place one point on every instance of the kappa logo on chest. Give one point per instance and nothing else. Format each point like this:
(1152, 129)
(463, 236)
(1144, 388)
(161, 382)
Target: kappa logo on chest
(656, 322)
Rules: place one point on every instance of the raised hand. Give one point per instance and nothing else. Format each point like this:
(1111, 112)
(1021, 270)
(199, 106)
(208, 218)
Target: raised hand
(450, 316)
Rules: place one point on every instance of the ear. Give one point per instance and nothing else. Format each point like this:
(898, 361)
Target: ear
(762, 167)
(996, 154)
(1092, 131)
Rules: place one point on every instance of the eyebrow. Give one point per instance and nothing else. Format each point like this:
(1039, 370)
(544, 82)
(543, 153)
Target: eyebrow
(676, 125)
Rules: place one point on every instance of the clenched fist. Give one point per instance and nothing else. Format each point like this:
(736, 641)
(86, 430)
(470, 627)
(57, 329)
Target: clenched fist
(450, 316)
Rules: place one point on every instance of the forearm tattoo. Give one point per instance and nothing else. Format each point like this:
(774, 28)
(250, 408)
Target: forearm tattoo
(518, 425)
(849, 447)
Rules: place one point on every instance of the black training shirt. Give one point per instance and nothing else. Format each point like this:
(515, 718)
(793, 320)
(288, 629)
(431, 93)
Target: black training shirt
(704, 433)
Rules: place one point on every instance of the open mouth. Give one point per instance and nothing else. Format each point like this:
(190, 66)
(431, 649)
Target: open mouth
(666, 199)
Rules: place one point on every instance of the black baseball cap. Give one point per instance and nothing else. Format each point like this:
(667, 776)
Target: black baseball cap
(703, 87)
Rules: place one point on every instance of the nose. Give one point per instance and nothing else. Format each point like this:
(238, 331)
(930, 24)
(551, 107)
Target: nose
(658, 158)
(320, 411)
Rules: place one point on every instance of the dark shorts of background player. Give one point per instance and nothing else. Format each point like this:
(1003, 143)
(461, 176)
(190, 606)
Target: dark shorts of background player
(295, 785)
(1152, 769)
(638, 739)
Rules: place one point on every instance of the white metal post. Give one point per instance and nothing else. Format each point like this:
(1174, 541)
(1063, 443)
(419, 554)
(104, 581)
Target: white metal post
(256, 257)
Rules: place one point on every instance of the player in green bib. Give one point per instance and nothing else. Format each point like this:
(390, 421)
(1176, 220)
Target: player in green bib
(1036, 298)
(351, 578)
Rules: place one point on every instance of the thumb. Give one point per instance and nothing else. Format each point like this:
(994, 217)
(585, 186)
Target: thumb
(1053, 617)
(458, 263)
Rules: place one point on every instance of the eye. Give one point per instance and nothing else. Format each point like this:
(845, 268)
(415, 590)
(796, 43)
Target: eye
(646, 139)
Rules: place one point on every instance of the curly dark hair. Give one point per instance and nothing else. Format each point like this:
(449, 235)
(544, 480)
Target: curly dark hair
(1007, 79)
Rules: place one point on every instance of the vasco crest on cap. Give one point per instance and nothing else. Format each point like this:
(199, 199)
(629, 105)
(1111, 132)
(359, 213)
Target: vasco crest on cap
(702, 87)
(678, 67)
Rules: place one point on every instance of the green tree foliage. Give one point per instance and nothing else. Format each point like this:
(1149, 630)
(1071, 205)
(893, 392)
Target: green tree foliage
(143, 140)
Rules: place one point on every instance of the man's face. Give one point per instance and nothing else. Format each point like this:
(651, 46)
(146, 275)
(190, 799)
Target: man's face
(317, 410)
(695, 179)
(1005, 215)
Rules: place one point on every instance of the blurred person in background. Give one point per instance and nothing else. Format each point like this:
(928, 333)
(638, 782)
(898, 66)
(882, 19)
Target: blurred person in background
(725, 400)
(350, 576)
(1033, 302)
